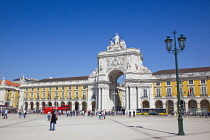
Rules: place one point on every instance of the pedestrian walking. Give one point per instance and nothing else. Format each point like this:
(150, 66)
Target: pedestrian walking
(5, 114)
(24, 113)
(134, 114)
(20, 112)
(48, 116)
(129, 114)
(53, 120)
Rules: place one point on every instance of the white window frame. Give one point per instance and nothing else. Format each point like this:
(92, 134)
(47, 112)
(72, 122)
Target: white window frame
(145, 93)
(168, 92)
(158, 92)
(203, 91)
(190, 82)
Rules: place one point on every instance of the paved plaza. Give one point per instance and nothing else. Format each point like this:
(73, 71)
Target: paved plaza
(36, 127)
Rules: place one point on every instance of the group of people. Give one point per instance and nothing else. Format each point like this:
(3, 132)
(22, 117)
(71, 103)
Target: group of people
(22, 113)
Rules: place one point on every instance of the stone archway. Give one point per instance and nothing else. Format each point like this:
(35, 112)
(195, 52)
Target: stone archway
(32, 106)
(7, 103)
(55, 103)
(43, 105)
(70, 105)
(37, 106)
(158, 104)
(205, 104)
(192, 104)
(62, 103)
(119, 60)
(84, 106)
(76, 106)
(93, 106)
(146, 104)
(169, 106)
(26, 105)
(49, 103)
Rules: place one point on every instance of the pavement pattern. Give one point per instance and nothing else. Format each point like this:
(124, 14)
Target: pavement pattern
(36, 127)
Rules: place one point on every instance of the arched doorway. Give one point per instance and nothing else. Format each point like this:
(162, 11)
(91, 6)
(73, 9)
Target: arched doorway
(93, 106)
(26, 105)
(43, 105)
(7, 103)
(205, 104)
(115, 91)
(192, 104)
(183, 108)
(84, 106)
(76, 106)
(62, 104)
(70, 105)
(158, 104)
(49, 103)
(37, 106)
(146, 104)
(169, 106)
(32, 105)
(55, 103)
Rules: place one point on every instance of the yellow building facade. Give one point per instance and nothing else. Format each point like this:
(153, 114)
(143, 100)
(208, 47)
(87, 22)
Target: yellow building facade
(194, 90)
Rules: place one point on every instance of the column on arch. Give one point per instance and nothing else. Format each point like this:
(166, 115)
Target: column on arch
(105, 98)
(127, 98)
(133, 98)
(99, 98)
(73, 105)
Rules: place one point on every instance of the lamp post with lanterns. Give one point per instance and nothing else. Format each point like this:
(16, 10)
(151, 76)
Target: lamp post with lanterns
(176, 51)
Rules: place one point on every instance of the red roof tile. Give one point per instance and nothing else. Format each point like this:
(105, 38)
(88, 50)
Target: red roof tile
(10, 83)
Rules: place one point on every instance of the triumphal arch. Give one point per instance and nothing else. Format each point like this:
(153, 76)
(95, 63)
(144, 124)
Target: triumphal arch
(119, 60)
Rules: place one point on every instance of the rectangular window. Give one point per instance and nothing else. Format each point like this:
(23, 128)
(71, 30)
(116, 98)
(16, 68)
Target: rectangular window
(203, 81)
(26, 95)
(203, 91)
(56, 88)
(62, 95)
(49, 96)
(77, 95)
(69, 87)
(8, 96)
(69, 95)
(168, 82)
(63, 88)
(77, 87)
(43, 95)
(190, 81)
(180, 91)
(56, 95)
(180, 82)
(145, 93)
(191, 91)
(50, 88)
(157, 83)
(37, 95)
(32, 89)
(43, 89)
(158, 92)
(168, 91)
(84, 87)
(26, 89)
(32, 95)
(84, 95)
(38, 89)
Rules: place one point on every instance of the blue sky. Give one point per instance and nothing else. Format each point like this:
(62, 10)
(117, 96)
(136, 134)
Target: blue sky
(62, 38)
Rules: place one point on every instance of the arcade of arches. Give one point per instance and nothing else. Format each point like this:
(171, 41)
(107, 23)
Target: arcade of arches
(73, 105)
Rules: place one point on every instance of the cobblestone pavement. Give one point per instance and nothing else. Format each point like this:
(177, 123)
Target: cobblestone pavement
(36, 127)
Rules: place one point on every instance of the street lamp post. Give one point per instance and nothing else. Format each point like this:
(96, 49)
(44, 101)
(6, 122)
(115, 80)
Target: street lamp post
(175, 51)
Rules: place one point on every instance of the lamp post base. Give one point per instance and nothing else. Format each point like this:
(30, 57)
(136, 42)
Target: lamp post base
(180, 123)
